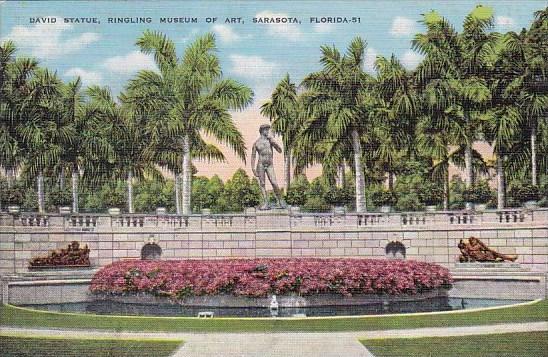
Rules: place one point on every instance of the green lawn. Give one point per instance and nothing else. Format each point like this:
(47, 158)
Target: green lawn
(14, 316)
(85, 347)
(528, 344)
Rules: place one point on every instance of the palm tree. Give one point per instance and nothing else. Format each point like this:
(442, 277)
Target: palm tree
(283, 112)
(527, 53)
(43, 130)
(396, 113)
(334, 107)
(167, 153)
(503, 124)
(128, 136)
(459, 61)
(190, 94)
(91, 143)
(15, 75)
(439, 121)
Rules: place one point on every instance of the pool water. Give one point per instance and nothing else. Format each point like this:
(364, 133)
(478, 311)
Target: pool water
(102, 307)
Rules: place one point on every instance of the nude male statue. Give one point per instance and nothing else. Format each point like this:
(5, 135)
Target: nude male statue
(263, 146)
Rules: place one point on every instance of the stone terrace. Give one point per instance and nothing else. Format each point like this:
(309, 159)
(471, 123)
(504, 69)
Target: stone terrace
(427, 236)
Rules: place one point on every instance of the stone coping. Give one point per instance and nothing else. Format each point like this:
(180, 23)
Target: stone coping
(460, 311)
(49, 282)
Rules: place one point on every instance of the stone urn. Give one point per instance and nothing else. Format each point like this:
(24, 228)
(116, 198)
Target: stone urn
(114, 211)
(386, 209)
(431, 208)
(14, 209)
(206, 212)
(64, 210)
(160, 211)
(530, 205)
(480, 207)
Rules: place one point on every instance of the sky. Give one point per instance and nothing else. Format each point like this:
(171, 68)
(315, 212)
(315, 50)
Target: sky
(256, 54)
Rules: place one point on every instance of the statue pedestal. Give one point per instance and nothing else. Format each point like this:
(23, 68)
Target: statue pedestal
(272, 212)
(504, 280)
(490, 266)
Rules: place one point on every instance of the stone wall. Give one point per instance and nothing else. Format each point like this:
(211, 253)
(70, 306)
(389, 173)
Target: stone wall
(430, 237)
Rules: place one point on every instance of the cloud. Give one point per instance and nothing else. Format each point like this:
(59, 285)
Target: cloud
(253, 67)
(88, 78)
(411, 60)
(130, 63)
(286, 31)
(505, 21)
(324, 27)
(369, 60)
(402, 26)
(48, 40)
(226, 34)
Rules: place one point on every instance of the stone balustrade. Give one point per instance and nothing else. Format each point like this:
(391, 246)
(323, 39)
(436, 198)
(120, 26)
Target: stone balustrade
(402, 220)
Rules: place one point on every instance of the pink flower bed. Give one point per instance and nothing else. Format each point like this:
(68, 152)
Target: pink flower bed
(260, 277)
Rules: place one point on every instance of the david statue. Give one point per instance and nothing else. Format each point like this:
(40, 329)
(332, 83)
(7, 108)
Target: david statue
(263, 146)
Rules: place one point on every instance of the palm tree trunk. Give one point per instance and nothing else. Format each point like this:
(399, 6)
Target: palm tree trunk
(187, 176)
(177, 194)
(287, 170)
(75, 190)
(468, 165)
(390, 181)
(340, 175)
(130, 191)
(360, 179)
(62, 179)
(446, 190)
(10, 174)
(41, 200)
(500, 181)
(468, 172)
(534, 155)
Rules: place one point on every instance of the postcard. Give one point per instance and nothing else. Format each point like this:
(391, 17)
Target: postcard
(273, 178)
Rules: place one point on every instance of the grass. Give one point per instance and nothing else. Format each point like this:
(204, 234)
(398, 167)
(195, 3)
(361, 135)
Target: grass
(22, 317)
(526, 344)
(54, 346)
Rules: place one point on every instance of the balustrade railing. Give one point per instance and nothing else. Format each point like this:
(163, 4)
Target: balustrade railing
(34, 220)
(295, 219)
(81, 221)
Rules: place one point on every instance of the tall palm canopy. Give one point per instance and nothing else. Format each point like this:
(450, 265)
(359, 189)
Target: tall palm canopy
(472, 85)
(458, 61)
(284, 112)
(334, 105)
(15, 76)
(188, 96)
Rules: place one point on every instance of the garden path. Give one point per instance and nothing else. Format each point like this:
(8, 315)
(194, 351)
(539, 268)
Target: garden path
(298, 344)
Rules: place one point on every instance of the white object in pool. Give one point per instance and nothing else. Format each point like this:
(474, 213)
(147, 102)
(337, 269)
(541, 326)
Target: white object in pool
(273, 303)
(205, 314)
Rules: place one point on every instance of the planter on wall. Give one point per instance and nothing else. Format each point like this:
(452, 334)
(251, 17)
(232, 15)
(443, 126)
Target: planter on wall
(14, 209)
(114, 211)
(64, 210)
(431, 208)
(480, 207)
(160, 211)
(386, 209)
(530, 204)
(206, 211)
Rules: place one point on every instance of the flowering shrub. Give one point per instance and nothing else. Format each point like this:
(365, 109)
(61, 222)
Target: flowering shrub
(260, 277)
